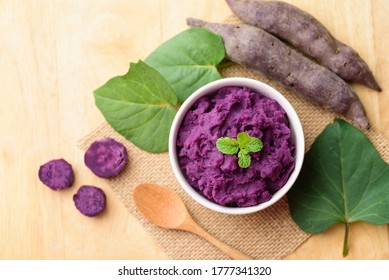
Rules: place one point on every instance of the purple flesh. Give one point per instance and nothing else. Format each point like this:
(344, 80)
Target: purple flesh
(217, 176)
(57, 174)
(90, 200)
(106, 157)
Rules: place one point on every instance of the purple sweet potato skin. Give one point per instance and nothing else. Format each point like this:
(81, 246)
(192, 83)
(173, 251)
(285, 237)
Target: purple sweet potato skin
(305, 33)
(106, 158)
(57, 174)
(262, 52)
(90, 200)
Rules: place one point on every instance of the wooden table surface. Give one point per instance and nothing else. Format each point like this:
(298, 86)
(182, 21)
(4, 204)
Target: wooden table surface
(54, 53)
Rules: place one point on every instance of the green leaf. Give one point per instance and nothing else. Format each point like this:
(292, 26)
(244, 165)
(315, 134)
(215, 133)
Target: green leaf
(188, 60)
(244, 159)
(243, 145)
(251, 144)
(343, 180)
(245, 151)
(227, 145)
(140, 106)
(243, 139)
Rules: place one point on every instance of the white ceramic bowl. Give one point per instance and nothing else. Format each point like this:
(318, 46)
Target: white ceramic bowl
(256, 86)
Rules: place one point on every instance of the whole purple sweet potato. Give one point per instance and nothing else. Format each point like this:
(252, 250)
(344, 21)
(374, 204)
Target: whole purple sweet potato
(305, 33)
(106, 157)
(90, 200)
(57, 174)
(262, 52)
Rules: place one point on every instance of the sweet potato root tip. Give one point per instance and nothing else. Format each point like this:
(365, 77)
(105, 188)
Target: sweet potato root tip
(357, 113)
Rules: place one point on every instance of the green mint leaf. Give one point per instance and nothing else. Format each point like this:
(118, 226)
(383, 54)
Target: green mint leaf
(243, 139)
(343, 180)
(244, 160)
(227, 145)
(140, 106)
(255, 145)
(245, 151)
(242, 146)
(252, 144)
(188, 60)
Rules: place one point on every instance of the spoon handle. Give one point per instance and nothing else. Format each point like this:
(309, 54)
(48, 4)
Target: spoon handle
(228, 250)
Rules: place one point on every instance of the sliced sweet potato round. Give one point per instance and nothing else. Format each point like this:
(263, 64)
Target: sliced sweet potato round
(57, 174)
(106, 157)
(90, 200)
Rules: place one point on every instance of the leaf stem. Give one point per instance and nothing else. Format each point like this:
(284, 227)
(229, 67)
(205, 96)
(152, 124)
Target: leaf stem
(345, 242)
(224, 64)
(177, 106)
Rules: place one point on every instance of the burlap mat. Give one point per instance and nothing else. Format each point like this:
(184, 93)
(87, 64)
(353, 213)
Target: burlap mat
(269, 234)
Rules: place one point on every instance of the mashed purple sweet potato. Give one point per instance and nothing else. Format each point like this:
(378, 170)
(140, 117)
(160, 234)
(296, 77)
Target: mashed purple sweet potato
(217, 176)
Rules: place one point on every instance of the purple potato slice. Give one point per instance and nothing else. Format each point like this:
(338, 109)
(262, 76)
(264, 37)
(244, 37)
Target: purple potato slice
(106, 157)
(57, 174)
(90, 200)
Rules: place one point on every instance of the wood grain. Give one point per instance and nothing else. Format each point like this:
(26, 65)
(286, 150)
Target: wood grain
(53, 54)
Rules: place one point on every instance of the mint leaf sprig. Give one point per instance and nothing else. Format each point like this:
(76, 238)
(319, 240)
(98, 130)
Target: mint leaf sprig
(243, 145)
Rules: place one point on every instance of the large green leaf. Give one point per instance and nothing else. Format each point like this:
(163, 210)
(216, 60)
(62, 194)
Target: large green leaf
(343, 180)
(188, 60)
(140, 105)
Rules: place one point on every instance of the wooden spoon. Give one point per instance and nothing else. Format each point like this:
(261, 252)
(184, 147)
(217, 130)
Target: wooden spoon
(164, 208)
